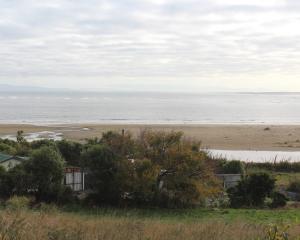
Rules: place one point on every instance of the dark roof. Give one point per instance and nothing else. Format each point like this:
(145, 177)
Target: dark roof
(5, 157)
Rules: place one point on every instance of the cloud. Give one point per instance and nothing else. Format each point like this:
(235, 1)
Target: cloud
(136, 43)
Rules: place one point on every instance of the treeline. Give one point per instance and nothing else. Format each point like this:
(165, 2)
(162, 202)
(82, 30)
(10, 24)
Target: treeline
(155, 169)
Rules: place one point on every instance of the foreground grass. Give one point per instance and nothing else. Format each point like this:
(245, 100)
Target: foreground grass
(143, 224)
(140, 224)
(261, 216)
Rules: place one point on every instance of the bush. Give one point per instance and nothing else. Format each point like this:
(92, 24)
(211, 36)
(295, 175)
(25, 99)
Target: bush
(278, 200)
(252, 190)
(17, 203)
(233, 167)
(221, 201)
(66, 196)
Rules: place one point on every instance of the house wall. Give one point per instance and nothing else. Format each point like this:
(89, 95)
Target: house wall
(75, 180)
(10, 163)
(230, 180)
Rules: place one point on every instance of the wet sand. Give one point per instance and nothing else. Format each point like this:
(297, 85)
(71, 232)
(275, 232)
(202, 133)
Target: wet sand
(226, 137)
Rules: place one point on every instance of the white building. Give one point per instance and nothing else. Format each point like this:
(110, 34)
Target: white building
(74, 178)
(8, 161)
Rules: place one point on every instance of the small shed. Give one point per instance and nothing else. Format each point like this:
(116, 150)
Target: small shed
(8, 161)
(74, 178)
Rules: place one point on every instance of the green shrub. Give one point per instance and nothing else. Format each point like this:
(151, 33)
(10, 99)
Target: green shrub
(252, 190)
(233, 167)
(17, 203)
(278, 200)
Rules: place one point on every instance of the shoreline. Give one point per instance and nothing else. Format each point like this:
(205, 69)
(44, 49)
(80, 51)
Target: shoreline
(264, 137)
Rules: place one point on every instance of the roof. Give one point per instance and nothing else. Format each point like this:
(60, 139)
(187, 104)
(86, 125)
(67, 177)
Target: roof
(6, 157)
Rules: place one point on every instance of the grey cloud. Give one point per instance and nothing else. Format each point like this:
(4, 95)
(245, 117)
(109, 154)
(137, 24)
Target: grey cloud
(140, 39)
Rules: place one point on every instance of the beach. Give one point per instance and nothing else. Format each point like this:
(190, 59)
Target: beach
(212, 136)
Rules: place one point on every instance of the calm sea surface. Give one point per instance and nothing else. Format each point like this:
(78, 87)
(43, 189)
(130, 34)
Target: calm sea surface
(69, 107)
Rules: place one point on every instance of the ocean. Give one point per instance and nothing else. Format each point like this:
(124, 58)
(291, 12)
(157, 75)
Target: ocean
(149, 108)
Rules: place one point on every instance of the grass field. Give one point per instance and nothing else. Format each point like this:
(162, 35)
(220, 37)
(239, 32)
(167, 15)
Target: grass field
(283, 179)
(133, 224)
(265, 216)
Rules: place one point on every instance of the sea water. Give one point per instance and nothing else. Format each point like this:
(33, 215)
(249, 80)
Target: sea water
(151, 108)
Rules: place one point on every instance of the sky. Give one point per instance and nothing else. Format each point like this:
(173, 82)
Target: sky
(157, 45)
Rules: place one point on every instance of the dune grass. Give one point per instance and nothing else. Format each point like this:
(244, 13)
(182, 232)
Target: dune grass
(57, 225)
(30, 225)
(136, 224)
(261, 216)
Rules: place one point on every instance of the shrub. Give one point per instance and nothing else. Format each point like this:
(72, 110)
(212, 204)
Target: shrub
(220, 201)
(66, 196)
(17, 203)
(233, 167)
(278, 200)
(252, 190)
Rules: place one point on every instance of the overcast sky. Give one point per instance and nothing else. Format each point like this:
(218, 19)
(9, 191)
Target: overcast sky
(173, 45)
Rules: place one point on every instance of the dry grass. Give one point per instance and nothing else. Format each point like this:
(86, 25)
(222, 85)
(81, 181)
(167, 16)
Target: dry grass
(29, 225)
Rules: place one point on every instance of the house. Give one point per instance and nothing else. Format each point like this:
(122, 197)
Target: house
(8, 161)
(229, 180)
(73, 176)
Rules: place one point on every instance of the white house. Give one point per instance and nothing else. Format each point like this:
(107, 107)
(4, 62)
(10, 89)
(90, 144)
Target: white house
(229, 180)
(8, 161)
(74, 177)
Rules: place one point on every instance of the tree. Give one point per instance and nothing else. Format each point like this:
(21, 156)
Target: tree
(103, 174)
(122, 145)
(71, 152)
(3, 182)
(159, 168)
(23, 147)
(185, 175)
(143, 185)
(43, 142)
(20, 136)
(45, 168)
(5, 148)
(16, 181)
(252, 190)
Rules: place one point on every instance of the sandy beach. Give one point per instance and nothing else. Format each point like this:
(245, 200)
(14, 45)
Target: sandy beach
(227, 137)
